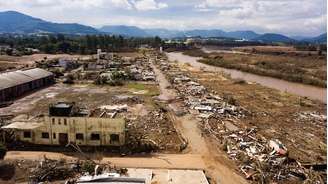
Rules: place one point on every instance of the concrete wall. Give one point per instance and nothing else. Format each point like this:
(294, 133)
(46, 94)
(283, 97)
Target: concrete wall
(60, 127)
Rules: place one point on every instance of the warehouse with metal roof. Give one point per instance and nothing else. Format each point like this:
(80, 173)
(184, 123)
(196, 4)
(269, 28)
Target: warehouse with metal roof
(17, 83)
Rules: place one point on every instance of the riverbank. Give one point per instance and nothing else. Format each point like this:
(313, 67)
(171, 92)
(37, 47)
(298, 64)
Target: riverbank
(309, 69)
(299, 123)
(309, 91)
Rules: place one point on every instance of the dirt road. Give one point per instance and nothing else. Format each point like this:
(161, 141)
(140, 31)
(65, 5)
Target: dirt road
(160, 161)
(217, 165)
(166, 93)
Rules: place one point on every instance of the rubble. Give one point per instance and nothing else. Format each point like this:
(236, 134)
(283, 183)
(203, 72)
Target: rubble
(127, 99)
(197, 97)
(314, 117)
(48, 170)
(141, 70)
(51, 170)
(260, 160)
(114, 108)
(152, 132)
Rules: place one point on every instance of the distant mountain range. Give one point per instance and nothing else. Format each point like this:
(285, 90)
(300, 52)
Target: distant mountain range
(319, 39)
(164, 33)
(271, 37)
(15, 22)
(248, 35)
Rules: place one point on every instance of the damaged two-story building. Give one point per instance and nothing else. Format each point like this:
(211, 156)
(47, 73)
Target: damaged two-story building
(66, 123)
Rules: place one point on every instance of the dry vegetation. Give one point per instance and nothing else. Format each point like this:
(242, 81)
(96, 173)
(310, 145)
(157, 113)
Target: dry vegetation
(307, 69)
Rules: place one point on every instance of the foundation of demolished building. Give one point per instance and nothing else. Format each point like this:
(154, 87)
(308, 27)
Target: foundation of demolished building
(260, 159)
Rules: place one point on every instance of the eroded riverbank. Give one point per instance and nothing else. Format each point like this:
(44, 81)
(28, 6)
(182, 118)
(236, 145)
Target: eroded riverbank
(312, 92)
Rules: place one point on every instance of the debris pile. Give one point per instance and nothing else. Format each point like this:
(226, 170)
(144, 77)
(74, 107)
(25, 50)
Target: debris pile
(49, 170)
(152, 132)
(314, 117)
(141, 70)
(130, 99)
(260, 160)
(198, 99)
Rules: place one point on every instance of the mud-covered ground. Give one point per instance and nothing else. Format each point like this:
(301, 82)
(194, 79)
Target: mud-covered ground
(145, 121)
(279, 115)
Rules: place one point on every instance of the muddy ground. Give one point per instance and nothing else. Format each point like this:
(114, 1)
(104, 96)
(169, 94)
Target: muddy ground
(145, 119)
(276, 114)
(19, 62)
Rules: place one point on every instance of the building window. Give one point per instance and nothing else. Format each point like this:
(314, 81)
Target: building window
(54, 135)
(79, 136)
(95, 137)
(53, 121)
(59, 121)
(45, 135)
(27, 134)
(114, 138)
(65, 121)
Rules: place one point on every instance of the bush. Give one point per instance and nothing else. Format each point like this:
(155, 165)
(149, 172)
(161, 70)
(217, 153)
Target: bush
(3, 151)
(88, 166)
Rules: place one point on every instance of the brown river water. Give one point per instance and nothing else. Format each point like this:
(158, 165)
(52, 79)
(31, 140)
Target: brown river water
(312, 92)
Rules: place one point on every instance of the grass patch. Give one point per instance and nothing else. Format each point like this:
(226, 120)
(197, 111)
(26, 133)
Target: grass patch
(151, 89)
(136, 86)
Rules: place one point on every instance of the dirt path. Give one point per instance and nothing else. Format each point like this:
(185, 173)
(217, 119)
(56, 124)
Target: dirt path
(166, 93)
(160, 161)
(217, 165)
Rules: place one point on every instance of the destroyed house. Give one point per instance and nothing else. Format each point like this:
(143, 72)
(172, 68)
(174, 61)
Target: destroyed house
(67, 123)
(17, 83)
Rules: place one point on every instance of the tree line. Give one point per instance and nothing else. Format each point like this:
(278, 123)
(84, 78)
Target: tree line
(73, 44)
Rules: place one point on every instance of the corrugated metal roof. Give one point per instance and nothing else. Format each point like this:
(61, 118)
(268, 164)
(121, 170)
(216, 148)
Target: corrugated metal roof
(11, 79)
(23, 125)
(36, 73)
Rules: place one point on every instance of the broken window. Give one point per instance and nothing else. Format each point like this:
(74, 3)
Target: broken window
(45, 135)
(53, 121)
(27, 134)
(65, 121)
(59, 122)
(54, 135)
(79, 136)
(114, 138)
(95, 137)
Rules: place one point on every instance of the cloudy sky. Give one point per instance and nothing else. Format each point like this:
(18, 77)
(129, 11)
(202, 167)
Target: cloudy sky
(291, 17)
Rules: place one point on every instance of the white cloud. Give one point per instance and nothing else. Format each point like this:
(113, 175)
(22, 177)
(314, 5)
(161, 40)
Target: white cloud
(202, 7)
(304, 17)
(121, 4)
(144, 5)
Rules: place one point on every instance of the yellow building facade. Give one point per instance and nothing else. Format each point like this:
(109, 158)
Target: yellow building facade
(84, 131)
